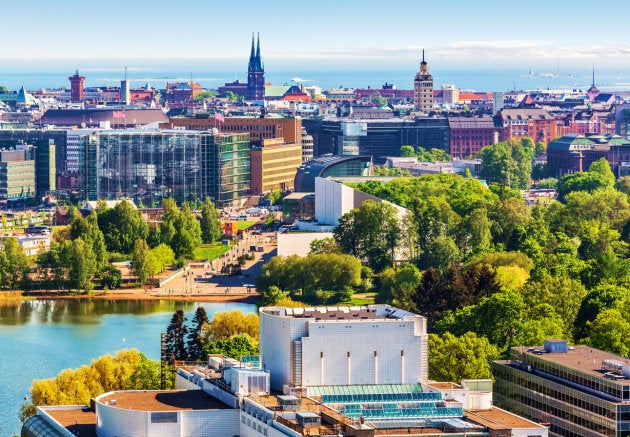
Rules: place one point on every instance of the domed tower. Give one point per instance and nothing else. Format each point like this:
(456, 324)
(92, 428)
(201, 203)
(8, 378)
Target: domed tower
(423, 88)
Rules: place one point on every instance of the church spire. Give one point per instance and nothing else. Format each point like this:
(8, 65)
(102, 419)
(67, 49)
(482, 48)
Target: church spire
(593, 74)
(252, 56)
(259, 63)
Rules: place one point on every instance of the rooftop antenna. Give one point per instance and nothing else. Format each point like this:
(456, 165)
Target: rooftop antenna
(125, 72)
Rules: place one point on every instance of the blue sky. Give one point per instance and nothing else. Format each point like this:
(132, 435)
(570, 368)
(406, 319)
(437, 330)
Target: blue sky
(333, 32)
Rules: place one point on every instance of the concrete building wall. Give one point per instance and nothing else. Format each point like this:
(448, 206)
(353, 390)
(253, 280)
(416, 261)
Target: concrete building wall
(298, 243)
(373, 352)
(276, 335)
(274, 166)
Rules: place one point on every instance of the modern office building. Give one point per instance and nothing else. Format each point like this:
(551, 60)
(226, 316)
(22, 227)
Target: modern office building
(17, 176)
(149, 165)
(577, 391)
(329, 165)
(273, 165)
(45, 167)
(378, 138)
(423, 88)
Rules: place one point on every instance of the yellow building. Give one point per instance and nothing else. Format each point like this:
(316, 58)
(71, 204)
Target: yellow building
(274, 165)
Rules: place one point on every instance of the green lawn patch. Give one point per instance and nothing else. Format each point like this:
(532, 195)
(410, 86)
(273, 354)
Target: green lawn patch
(211, 251)
(245, 224)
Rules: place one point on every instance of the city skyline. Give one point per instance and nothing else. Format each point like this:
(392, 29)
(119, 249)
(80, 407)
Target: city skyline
(333, 33)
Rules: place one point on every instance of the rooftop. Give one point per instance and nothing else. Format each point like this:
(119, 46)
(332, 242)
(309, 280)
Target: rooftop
(340, 313)
(495, 418)
(149, 400)
(582, 358)
(79, 421)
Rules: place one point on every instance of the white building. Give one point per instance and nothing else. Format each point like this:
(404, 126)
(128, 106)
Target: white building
(301, 347)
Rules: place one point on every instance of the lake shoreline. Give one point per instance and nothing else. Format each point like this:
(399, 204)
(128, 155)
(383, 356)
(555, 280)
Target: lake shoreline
(143, 295)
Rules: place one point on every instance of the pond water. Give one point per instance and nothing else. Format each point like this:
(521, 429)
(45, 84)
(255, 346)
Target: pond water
(39, 338)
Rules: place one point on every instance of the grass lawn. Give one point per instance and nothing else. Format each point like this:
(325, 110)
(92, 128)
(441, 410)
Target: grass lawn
(211, 251)
(362, 299)
(245, 224)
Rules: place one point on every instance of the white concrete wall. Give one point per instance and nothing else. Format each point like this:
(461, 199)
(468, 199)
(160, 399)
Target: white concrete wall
(332, 200)
(276, 334)
(298, 243)
(362, 340)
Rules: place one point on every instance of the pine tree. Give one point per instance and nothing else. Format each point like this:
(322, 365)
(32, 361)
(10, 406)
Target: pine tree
(176, 337)
(195, 346)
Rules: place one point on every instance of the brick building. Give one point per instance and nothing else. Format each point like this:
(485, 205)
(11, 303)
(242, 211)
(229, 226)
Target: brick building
(534, 123)
(470, 134)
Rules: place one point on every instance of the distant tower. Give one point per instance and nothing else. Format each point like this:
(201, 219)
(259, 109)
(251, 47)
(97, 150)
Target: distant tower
(125, 95)
(255, 74)
(423, 88)
(592, 92)
(76, 87)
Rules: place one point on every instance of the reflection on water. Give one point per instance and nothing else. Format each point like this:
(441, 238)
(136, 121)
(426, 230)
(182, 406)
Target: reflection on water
(39, 338)
(79, 311)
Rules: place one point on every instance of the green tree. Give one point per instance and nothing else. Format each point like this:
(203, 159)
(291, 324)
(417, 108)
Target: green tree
(83, 264)
(407, 151)
(325, 245)
(164, 256)
(121, 227)
(371, 233)
(204, 95)
(498, 165)
(602, 167)
(195, 344)
(398, 286)
(110, 277)
(143, 261)
(598, 299)
(589, 181)
(454, 358)
(176, 337)
(14, 264)
(272, 296)
(233, 347)
(610, 331)
(210, 225)
(147, 376)
(562, 293)
(274, 196)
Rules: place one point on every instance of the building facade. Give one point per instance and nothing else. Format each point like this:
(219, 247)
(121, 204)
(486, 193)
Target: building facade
(578, 391)
(149, 165)
(259, 128)
(273, 165)
(382, 345)
(535, 123)
(255, 74)
(17, 176)
(378, 138)
(468, 135)
(423, 88)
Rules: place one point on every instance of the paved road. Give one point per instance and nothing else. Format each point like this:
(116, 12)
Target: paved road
(198, 281)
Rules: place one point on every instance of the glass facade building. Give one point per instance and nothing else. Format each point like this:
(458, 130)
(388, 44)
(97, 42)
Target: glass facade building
(571, 391)
(148, 165)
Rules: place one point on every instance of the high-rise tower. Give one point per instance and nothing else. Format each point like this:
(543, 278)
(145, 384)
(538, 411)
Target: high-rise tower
(76, 87)
(255, 74)
(423, 88)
